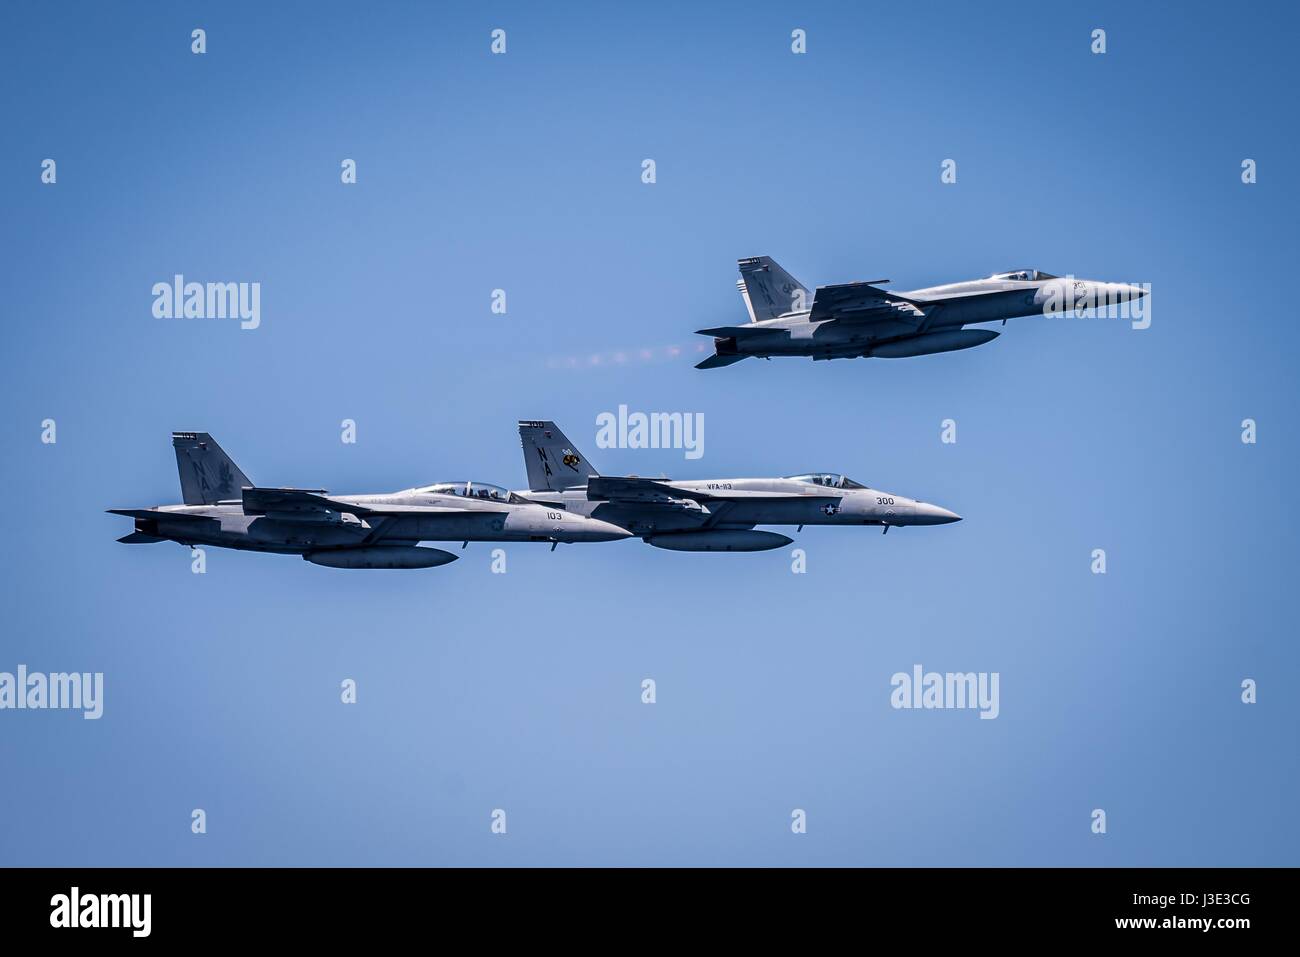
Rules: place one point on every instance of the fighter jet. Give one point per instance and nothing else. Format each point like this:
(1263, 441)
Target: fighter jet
(223, 508)
(707, 515)
(860, 319)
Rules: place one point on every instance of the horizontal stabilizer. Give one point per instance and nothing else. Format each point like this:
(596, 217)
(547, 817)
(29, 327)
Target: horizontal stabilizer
(156, 513)
(718, 361)
(732, 332)
(140, 538)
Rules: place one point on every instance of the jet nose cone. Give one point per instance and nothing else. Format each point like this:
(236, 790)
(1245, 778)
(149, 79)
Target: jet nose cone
(1134, 292)
(927, 514)
(598, 531)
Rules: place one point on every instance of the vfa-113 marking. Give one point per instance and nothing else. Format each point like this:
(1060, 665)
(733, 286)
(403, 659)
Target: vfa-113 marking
(711, 515)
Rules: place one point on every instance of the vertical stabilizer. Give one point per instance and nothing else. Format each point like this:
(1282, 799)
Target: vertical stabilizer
(553, 462)
(207, 474)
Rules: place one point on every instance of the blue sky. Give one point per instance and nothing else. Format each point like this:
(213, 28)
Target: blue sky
(522, 691)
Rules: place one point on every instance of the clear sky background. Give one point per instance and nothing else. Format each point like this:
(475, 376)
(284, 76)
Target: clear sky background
(523, 691)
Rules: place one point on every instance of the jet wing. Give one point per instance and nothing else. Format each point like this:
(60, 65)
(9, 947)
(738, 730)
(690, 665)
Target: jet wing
(619, 489)
(613, 488)
(863, 302)
(260, 501)
(422, 509)
(657, 496)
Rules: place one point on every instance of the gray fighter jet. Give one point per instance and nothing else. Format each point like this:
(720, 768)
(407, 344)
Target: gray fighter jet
(708, 515)
(860, 319)
(223, 508)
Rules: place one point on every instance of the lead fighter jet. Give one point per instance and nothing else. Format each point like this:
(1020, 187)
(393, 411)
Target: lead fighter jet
(860, 319)
(223, 508)
(707, 515)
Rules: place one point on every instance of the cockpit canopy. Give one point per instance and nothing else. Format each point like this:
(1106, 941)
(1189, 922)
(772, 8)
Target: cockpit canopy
(480, 490)
(828, 479)
(1023, 275)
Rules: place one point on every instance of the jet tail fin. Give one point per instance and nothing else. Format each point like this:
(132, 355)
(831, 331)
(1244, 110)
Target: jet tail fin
(769, 291)
(207, 473)
(553, 462)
